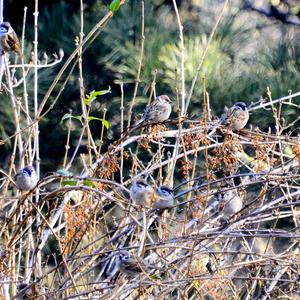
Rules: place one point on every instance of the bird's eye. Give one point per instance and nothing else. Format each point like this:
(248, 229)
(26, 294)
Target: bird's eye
(165, 191)
(2, 29)
(141, 184)
(221, 195)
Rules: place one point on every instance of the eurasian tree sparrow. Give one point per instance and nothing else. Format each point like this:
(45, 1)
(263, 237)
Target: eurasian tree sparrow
(9, 41)
(141, 193)
(229, 202)
(236, 117)
(165, 196)
(26, 179)
(131, 266)
(157, 111)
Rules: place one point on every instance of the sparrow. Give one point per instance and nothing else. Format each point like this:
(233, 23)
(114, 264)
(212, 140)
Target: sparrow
(236, 117)
(26, 179)
(157, 111)
(141, 193)
(9, 41)
(229, 202)
(165, 196)
(131, 266)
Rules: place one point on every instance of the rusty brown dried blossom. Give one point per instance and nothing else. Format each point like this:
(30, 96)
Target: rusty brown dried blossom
(100, 186)
(201, 200)
(144, 143)
(108, 166)
(75, 224)
(185, 167)
(223, 156)
(296, 150)
(193, 140)
(126, 155)
(157, 128)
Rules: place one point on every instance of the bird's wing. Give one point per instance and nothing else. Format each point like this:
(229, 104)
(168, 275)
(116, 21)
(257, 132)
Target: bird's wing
(132, 266)
(154, 111)
(163, 204)
(13, 42)
(227, 116)
(148, 111)
(144, 117)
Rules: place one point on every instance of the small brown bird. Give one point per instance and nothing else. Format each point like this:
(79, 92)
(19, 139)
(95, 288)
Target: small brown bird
(141, 193)
(235, 117)
(157, 111)
(131, 266)
(230, 202)
(9, 41)
(26, 179)
(166, 198)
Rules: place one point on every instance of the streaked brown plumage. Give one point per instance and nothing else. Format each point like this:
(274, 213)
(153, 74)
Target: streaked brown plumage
(141, 193)
(165, 198)
(9, 41)
(157, 111)
(235, 117)
(131, 266)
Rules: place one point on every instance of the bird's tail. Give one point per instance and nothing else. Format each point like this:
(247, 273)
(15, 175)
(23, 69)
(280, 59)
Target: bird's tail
(132, 127)
(136, 124)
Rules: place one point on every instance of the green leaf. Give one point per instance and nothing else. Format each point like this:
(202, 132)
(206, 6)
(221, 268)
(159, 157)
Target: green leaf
(104, 122)
(89, 183)
(115, 5)
(69, 182)
(94, 94)
(288, 150)
(69, 116)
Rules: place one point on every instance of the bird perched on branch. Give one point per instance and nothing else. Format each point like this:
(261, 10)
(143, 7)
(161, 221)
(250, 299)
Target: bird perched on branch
(165, 196)
(235, 117)
(9, 41)
(141, 193)
(131, 266)
(230, 202)
(156, 112)
(26, 179)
